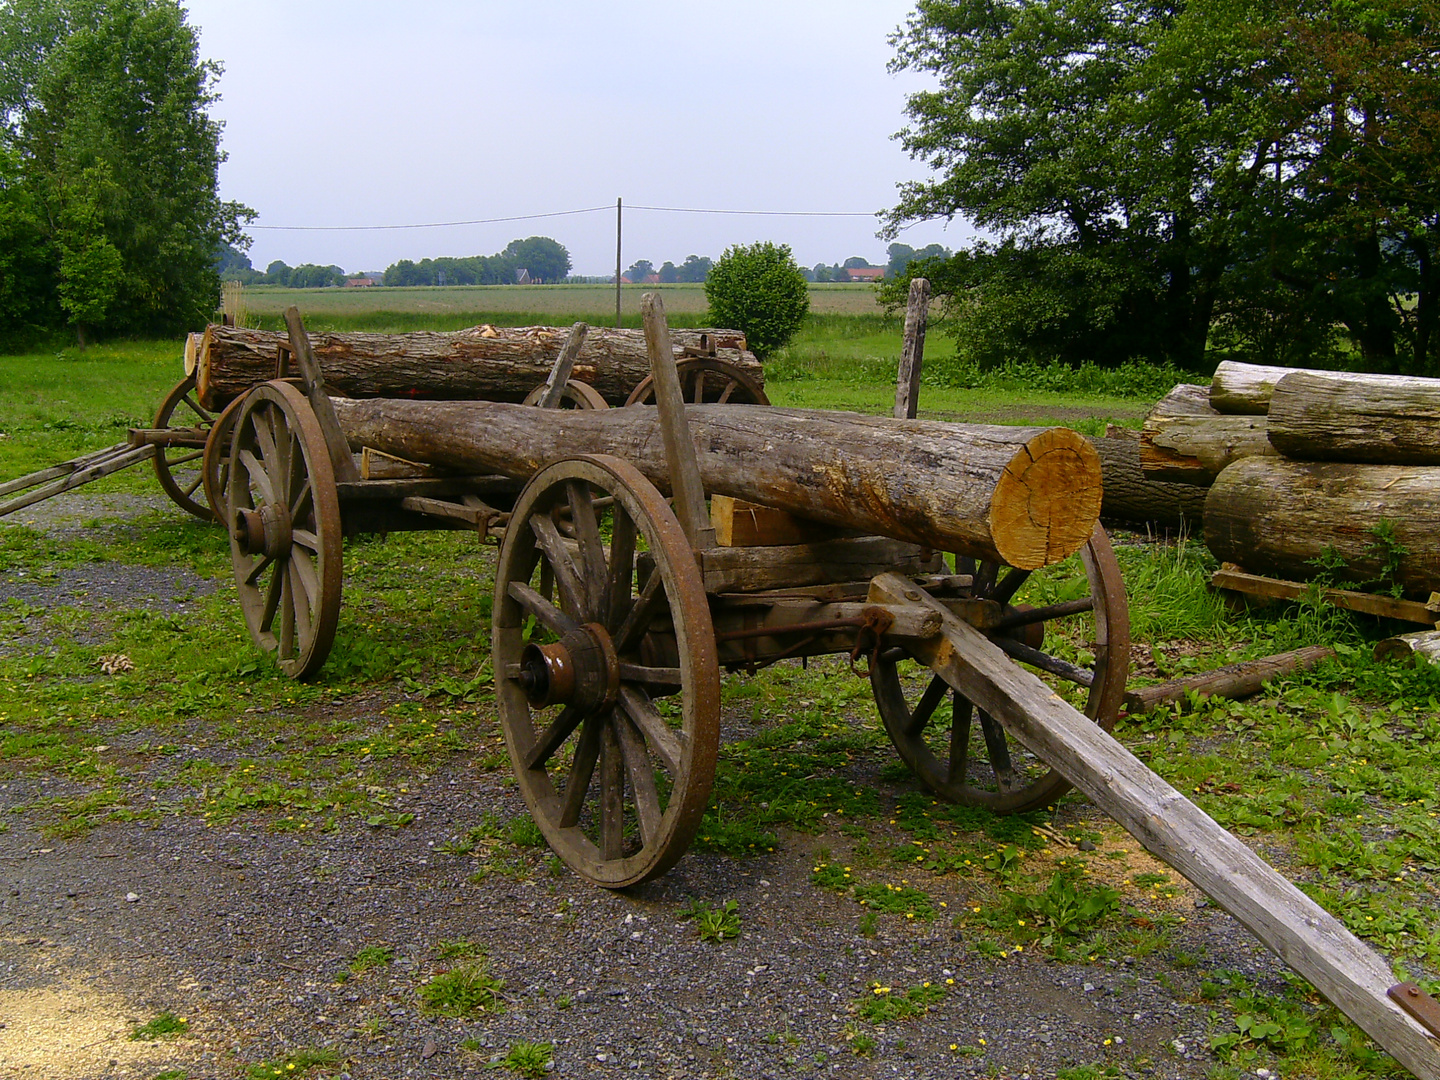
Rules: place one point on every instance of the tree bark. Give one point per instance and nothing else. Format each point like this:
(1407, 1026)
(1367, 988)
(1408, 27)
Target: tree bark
(1186, 441)
(1384, 419)
(1244, 389)
(489, 363)
(1132, 496)
(1274, 516)
(1027, 496)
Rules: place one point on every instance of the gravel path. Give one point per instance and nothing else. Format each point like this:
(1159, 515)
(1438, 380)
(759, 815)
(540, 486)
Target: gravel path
(248, 934)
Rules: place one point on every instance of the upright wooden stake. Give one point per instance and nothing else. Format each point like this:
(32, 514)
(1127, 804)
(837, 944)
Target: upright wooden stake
(675, 428)
(340, 456)
(564, 364)
(912, 354)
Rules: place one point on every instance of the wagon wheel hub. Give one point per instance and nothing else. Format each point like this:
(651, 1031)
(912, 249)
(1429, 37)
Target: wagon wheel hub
(265, 532)
(581, 670)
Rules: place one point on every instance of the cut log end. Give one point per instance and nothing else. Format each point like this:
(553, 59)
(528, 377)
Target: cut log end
(1046, 503)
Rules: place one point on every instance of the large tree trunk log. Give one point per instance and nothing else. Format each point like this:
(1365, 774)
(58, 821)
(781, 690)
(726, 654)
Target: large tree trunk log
(1232, 681)
(1273, 515)
(1386, 419)
(1028, 496)
(1244, 389)
(1185, 441)
(485, 363)
(1133, 497)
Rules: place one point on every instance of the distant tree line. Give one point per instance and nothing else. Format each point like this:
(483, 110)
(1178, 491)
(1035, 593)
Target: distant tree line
(545, 261)
(697, 267)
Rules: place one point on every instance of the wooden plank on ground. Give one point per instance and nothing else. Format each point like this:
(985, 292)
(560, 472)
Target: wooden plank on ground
(1236, 580)
(1300, 931)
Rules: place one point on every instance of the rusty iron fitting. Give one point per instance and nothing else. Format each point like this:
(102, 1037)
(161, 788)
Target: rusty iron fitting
(265, 531)
(580, 670)
(873, 621)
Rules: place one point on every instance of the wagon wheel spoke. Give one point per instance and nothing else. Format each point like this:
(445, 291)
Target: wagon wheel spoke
(544, 611)
(622, 569)
(651, 725)
(572, 593)
(287, 613)
(299, 600)
(261, 565)
(257, 475)
(697, 387)
(1007, 586)
(185, 458)
(193, 485)
(305, 538)
(592, 549)
(925, 707)
(309, 579)
(194, 406)
(999, 751)
(729, 389)
(587, 752)
(273, 592)
(641, 775)
(553, 737)
(640, 615)
(961, 716)
(654, 676)
(612, 794)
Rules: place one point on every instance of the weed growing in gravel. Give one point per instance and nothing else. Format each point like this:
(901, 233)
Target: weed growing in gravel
(458, 949)
(884, 1005)
(296, 1063)
(528, 1058)
(167, 1023)
(1087, 1072)
(371, 956)
(461, 991)
(714, 924)
(861, 1044)
(903, 899)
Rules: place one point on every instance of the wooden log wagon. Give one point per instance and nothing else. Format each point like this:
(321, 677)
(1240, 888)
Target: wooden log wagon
(614, 615)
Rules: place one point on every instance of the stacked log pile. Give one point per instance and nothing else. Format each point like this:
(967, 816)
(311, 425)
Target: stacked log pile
(1310, 468)
(483, 363)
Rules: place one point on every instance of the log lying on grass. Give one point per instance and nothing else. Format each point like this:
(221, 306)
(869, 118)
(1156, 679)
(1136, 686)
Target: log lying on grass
(489, 363)
(1277, 516)
(1133, 497)
(1027, 496)
(1185, 441)
(1330, 416)
(1232, 681)
(1422, 647)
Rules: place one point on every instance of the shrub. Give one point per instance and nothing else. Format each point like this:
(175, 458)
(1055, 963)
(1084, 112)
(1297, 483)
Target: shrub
(759, 291)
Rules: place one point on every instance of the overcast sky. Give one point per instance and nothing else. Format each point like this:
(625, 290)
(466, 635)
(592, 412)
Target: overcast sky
(365, 112)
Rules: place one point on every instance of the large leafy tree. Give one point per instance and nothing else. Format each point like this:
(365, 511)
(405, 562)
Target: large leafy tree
(104, 129)
(1161, 176)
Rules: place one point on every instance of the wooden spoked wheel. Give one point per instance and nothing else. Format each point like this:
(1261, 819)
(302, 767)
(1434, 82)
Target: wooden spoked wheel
(961, 753)
(215, 464)
(283, 515)
(576, 395)
(704, 380)
(178, 468)
(609, 685)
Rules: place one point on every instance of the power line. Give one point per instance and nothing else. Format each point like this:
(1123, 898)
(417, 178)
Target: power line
(426, 225)
(561, 213)
(760, 213)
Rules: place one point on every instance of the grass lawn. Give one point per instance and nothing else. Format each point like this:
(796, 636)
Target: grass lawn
(1332, 772)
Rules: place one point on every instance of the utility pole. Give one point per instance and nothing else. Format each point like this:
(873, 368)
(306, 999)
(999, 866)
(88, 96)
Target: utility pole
(617, 264)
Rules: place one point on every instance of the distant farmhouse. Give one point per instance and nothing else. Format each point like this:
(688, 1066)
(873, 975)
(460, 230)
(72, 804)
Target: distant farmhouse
(866, 273)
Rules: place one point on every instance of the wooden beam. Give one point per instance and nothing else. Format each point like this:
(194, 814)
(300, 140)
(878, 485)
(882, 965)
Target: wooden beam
(751, 569)
(1300, 931)
(745, 524)
(912, 351)
(93, 468)
(1231, 577)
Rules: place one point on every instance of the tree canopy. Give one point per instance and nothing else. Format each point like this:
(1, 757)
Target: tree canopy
(109, 212)
(758, 290)
(1165, 179)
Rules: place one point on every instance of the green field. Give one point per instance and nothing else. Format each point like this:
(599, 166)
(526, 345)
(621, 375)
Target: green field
(453, 307)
